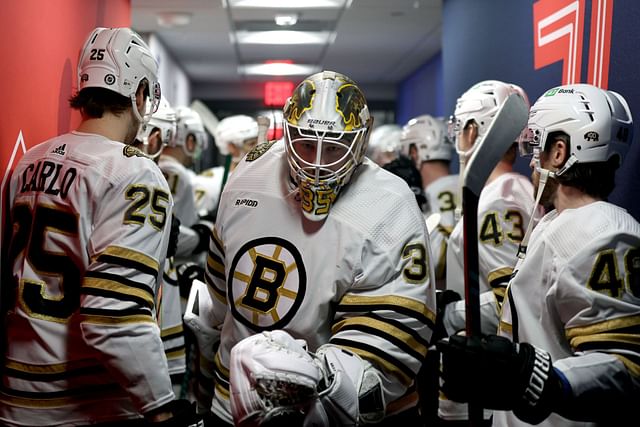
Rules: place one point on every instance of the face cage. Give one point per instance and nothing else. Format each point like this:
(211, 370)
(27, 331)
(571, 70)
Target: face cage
(317, 173)
(530, 139)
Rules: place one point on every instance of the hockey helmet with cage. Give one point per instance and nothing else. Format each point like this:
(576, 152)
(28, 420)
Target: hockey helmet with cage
(597, 121)
(327, 124)
(189, 122)
(240, 131)
(429, 136)
(118, 59)
(480, 104)
(164, 119)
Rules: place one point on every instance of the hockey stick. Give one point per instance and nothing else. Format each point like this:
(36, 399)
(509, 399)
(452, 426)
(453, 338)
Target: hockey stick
(506, 126)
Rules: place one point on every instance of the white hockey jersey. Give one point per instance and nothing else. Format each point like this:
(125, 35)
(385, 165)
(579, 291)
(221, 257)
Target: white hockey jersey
(181, 185)
(443, 196)
(361, 279)
(90, 231)
(207, 185)
(576, 295)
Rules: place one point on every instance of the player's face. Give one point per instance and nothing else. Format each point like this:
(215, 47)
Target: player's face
(332, 154)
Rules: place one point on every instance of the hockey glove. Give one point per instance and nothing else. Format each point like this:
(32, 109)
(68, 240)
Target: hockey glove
(187, 273)
(272, 378)
(203, 230)
(443, 298)
(499, 374)
(173, 236)
(184, 415)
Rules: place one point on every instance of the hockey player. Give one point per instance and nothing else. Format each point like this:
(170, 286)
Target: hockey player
(424, 138)
(236, 136)
(566, 348)
(384, 143)
(89, 224)
(328, 307)
(505, 206)
(175, 160)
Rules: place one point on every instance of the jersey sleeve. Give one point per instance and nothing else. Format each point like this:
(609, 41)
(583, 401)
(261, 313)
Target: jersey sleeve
(119, 290)
(387, 316)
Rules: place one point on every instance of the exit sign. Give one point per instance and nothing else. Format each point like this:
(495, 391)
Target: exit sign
(276, 93)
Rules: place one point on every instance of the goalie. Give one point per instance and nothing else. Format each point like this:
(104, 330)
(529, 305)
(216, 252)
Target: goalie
(320, 260)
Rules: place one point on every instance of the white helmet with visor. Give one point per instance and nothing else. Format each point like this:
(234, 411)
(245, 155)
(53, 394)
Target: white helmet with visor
(479, 105)
(118, 59)
(597, 121)
(327, 123)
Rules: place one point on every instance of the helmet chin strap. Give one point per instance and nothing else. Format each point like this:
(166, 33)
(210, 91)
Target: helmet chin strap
(542, 182)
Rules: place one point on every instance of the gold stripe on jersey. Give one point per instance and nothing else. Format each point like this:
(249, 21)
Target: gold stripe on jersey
(416, 309)
(220, 368)
(506, 327)
(172, 332)
(378, 358)
(389, 330)
(218, 294)
(52, 372)
(215, 265)
(629, 324)
(175, 353)
(98, 319)
(127, 257)
(60, 399)
(117, 286)
(634, 368)
(224, 392)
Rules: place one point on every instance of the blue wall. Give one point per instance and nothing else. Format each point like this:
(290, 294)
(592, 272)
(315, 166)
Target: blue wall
(494, 39)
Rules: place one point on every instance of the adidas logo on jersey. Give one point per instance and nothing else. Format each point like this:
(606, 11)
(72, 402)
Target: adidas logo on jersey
(60, 150)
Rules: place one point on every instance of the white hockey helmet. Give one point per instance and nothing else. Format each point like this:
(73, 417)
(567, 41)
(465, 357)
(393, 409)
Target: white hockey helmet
(480, 104)
(598, 122)
(327, 123)
(163, 119)
(189, 122)
(239, 130)
(118, 59)
(429, 136)
(384, 143)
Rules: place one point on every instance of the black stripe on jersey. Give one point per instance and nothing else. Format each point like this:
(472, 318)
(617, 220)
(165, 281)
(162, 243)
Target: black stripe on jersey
(387, 337)
(43, 376)
(215, 266)
(117, 295)
(88, 392)
(119, 279)
(127, 263)
(173, 336)
(217, 242)
(359, 308)
(88, 311)
(169, 280)
(404, 373)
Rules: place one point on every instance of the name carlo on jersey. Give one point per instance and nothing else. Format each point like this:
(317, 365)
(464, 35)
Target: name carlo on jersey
(48, 176)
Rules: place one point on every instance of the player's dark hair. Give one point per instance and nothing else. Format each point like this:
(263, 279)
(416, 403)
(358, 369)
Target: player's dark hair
(93, 102)
(597, 179)
(405, 169)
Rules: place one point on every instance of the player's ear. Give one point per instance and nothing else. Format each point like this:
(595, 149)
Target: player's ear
(559, 153)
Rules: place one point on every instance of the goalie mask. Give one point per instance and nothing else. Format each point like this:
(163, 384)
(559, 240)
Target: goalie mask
(326, 130)
(189, 124)
(598, 123)
(428, 136)
(118, 59)
(164, 120)
(477, 107)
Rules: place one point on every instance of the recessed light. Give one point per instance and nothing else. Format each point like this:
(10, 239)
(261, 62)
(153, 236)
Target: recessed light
(286, 20)
(287, 4)
(278, 69)
(173, 19)
(283, 37)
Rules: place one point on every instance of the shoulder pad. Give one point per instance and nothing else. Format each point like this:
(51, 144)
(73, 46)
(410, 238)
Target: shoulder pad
(259, 150)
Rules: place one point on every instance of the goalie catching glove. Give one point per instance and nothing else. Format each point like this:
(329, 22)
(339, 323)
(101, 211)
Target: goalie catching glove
(499, 374)
(275, 380)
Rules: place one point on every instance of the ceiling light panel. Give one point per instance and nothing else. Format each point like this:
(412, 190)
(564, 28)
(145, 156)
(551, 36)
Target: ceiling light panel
(278, 69)
(283, 37)
(287, 4)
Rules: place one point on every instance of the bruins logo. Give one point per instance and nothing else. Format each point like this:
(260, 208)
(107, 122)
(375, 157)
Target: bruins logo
(267, 283)
(349, 103)
(258, 151)
(131, 151)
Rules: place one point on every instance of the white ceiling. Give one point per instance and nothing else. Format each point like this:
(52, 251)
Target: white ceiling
(378, 43)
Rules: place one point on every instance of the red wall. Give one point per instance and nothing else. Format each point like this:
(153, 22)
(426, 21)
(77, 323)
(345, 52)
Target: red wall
(39, 45)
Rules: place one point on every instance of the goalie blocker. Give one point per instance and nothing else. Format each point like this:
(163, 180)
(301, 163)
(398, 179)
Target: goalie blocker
(274, 379)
